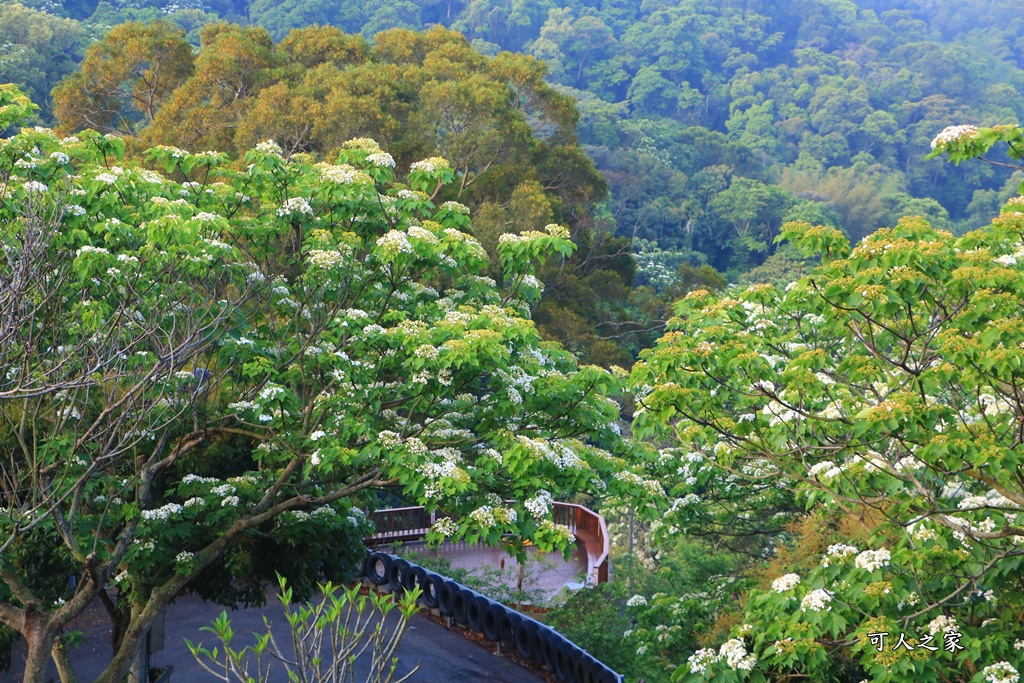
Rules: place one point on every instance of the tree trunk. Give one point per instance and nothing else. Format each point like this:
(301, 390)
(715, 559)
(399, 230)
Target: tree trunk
(39, 635)
(139, 671)
(60, 658)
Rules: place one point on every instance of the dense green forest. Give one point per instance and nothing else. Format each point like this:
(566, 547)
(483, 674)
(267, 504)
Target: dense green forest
(417, 246)
(831, 101)
(711, 123)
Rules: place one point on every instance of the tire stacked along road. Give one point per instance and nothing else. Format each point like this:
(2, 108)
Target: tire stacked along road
(497, 623)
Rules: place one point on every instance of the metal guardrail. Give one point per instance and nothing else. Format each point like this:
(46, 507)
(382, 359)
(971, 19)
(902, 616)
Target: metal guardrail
(412, 524)
(533, 640)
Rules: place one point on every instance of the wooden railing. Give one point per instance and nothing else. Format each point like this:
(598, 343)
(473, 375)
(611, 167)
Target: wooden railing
(412, 524)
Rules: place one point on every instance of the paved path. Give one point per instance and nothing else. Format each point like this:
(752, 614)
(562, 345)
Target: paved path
(444, 656)
(549, 576)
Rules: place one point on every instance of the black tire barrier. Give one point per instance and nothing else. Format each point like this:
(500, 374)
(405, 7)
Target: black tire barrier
(414, 576)
(360, 569)
(537, 639)
(592, 669)
(460, 603)
(534, 642)
(398, 568)
(431, 586)
(492, 619)
(563, 651)
(507, 629)
(546, 653)
(377, 568)
(524, 638)
(601, 674)
(446, 597)
(577, 673)
(475, 608)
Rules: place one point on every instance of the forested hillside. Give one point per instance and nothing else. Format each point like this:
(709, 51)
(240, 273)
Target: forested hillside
(268, 264)
(816, 109)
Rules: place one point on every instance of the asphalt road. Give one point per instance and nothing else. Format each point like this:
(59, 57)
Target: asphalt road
(444, 656)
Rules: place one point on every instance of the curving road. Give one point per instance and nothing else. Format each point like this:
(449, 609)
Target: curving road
(444, 656)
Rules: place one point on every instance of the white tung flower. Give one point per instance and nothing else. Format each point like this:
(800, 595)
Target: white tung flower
(700, 660)
(269, 147)
(382, 159)
(952, 134)
(637, 601)
(394, 243)
(941, 624)
(838, 552)
(446, 527)
(785, 583)
(431, 165)
(295, 205)
(734, 652)
(817, 600)
(873, 559)
(1002, 672)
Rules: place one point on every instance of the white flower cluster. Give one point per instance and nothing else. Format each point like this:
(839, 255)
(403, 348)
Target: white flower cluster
(426, 351)
(162, 513)
(700, 660)
(271, 392)
(1002, 672)
(269, 147)
(483, 516)
(35, 186)
(342, 174)
(825, 471)
(87, 249)
(560, 530)
(971, 502)
(223, 490)
(295, 205)
(735, 655)
(382, 159)
(184, 556)
(785, 583)
(817, 600)
(194, 502)
(952, 134)
(539, 505)
(431, 165)
(908, 464)
(941, 624)
(636, 601)
(446, 527)
(455, 207)
(394, 243)
(873, 559)
(421, 233)
(504, 515)
(321, 258)
(558, 454)
(196, 479)
(838, 552)
(1005, 260)
(920, 532)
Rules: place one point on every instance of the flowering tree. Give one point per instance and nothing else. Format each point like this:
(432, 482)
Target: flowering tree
(883, 388)
(327, 327)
